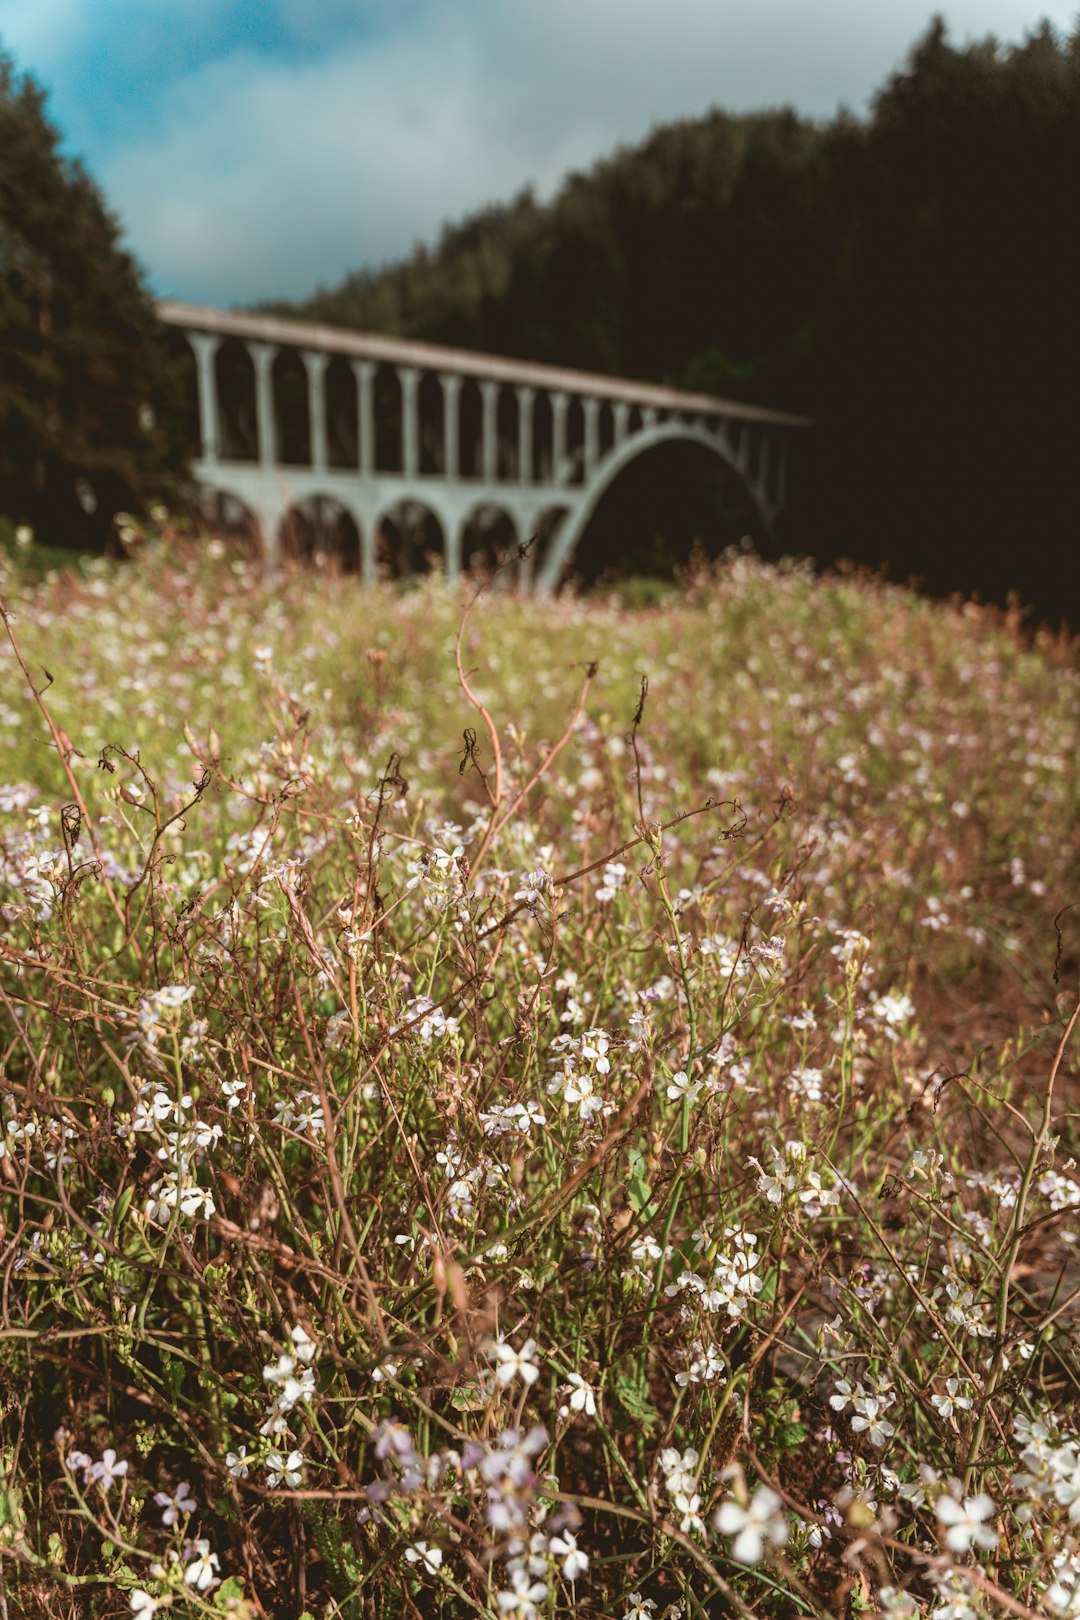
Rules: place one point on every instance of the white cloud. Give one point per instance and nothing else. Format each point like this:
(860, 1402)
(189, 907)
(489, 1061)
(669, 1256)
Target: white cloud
(44, 33)
(259, 177)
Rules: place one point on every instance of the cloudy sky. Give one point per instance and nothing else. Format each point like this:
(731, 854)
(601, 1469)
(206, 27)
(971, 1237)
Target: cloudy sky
(259, 148)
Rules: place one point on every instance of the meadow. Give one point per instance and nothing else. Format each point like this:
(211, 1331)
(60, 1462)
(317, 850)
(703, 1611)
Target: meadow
(535, 1110)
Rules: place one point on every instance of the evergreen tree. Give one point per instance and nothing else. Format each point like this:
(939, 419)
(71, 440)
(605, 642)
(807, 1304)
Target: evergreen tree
(909, 280)
(84, 387)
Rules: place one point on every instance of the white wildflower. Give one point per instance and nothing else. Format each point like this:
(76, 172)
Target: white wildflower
(575, 1562)
(582, 1397)
(421, 1553)
(752, 1526)
(513, 1363)
(200, 1571)
(965, 1522)
(288, 1468)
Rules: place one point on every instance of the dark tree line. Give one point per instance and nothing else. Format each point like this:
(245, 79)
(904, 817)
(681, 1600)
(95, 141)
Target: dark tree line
(910, 280)
(85, 396)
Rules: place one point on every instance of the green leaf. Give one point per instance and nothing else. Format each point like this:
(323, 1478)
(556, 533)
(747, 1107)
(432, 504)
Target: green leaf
(122, 1205)
(637, 1188)
(468, 1397)
(10, 1508)
(631, 1390)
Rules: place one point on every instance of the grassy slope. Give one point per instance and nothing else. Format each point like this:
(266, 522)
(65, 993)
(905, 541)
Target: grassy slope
(866, 909)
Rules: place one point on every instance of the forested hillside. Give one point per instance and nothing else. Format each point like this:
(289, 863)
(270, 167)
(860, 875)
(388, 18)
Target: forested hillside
(908, 279)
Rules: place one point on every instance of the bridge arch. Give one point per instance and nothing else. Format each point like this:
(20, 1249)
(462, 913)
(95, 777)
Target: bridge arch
(321, 532)
(228, 517)
(567, 537)
(549, 520)
(489, 534)
(409, 538)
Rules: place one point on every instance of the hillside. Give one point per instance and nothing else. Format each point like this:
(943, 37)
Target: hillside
(909, 280)
(522, 1109)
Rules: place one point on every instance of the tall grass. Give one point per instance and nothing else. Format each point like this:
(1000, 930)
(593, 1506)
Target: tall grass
(533, 1110)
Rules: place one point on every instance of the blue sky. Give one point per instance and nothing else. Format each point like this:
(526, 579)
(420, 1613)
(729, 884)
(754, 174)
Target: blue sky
(255, 150)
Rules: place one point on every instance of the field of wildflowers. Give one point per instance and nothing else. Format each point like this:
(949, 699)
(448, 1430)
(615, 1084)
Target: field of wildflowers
(526, 1110)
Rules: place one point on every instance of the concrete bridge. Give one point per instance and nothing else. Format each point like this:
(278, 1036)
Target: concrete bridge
(397, 456)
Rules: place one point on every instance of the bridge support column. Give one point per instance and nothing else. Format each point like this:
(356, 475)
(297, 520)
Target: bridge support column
(205, 347)
(262, 358)
(592, 436)
(525, 398)
(365, 419)
(454, 534)
(621, 418)
(315, 364)
(366, 517)
(560, 406)
(489, 395)
(451, 387)
(409, 381)
(270, 514)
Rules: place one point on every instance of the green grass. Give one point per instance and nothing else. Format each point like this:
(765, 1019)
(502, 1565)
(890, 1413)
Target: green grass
(600, 1081)
(33, 560)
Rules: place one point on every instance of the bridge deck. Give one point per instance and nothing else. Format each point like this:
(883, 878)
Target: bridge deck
(462, 362)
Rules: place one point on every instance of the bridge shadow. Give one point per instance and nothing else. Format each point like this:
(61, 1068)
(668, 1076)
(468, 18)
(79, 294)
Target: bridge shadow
(670, 503)
(409, 541)
(320, 533)
(489, 538)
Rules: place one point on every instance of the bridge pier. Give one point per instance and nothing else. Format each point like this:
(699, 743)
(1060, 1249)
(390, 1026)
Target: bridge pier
(315, 364)
(205, 346)
(365, 416)
(489, 400)
(410, 421)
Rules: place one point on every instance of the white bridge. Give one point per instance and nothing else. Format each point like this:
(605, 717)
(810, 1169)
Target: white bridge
(399, 456)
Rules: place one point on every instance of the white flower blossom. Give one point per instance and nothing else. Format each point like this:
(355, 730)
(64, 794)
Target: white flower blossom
(421, 1553)
(640, 1608)
(179, 1503)
(288, 1468)
(582, 1397)
(575, 1562)
(108, 1469)
(752, 1526)
(513, 1363)
(523, 1596)
(965, 1522)
(200, 1571)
